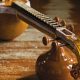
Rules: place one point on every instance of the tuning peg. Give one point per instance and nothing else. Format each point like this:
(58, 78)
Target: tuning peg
(60, 22)
(63, 23)
(70, 27)
(57, 19)
(46, 40)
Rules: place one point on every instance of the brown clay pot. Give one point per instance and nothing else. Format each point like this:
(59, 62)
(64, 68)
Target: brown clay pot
(10, 25)
(56, 63)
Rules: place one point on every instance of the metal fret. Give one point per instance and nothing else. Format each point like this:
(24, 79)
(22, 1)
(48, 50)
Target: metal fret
(41, 16)
(36, 14)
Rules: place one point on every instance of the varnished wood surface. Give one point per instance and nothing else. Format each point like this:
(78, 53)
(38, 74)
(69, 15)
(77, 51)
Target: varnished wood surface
(18, 57)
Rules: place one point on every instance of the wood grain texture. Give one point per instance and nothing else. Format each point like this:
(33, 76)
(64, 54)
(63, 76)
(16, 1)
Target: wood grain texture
(18, 57)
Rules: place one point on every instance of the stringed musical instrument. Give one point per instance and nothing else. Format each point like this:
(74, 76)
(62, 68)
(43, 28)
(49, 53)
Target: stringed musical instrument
(53, 65)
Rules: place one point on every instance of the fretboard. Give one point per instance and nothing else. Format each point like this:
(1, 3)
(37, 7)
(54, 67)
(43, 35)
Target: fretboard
(41, 16)
(35, 13)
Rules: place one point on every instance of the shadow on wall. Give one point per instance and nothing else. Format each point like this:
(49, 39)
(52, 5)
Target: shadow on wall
(75, 15)
(39, 4)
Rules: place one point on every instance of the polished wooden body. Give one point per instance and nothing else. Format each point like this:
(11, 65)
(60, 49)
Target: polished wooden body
(56, 64)
(10, 25)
